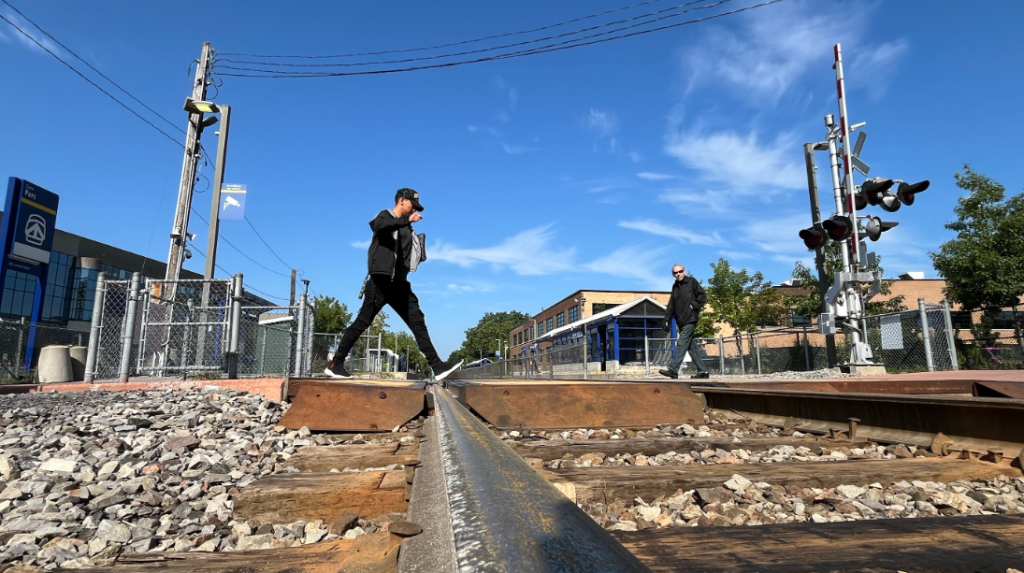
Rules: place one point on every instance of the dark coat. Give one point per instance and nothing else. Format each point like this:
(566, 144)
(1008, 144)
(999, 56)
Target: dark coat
(392, 236)
(686, 302)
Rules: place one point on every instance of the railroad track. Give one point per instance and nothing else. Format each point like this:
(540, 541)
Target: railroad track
(492, 476)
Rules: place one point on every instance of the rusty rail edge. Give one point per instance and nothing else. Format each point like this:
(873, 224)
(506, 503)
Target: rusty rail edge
(974, 424)
(505, 518)
(433, 551)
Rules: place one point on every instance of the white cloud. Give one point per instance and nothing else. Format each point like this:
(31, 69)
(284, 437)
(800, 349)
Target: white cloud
(360, 244)
(737, 255)
(513, 98)
(467, 288)
(635, 157)
(775, 48)
(633, 262)
(877, 66)
(517, 149)
(650, 176)
(527, 253)
(742, 162)
(601, 123)
(660, 229)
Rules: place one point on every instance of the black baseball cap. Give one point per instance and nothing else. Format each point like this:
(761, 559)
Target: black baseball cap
(412, 195)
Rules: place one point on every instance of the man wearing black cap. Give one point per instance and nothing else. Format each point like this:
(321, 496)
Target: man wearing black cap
(394, 251)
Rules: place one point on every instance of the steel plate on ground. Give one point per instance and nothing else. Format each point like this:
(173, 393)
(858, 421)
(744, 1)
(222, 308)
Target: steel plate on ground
(586, 405)
(353, 406)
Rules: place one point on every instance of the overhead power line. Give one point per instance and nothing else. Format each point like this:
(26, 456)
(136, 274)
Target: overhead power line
(449, 45)
(94, 84)
(229, 273)
(504, 46)
(91, 67)
(556, 47)
(240, 251)
(266, 244)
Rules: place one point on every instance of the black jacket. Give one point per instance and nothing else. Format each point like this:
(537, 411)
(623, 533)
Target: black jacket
(686, 302)
(392, 238)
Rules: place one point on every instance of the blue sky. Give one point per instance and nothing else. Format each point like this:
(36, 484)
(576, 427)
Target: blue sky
(596, 168)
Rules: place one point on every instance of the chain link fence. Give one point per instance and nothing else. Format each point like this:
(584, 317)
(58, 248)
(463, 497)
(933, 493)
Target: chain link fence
(921, 340)
(371, 354)
(194, 328)
(14, 345)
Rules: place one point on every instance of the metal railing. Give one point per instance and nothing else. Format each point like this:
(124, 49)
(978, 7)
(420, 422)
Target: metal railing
(202, 329)
(897, 340)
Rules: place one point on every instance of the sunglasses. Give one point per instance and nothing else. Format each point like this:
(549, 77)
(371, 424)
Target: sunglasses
(678, 272)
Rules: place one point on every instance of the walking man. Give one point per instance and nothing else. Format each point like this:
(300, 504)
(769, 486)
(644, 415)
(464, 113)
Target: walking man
(684, 305)
(395, 251)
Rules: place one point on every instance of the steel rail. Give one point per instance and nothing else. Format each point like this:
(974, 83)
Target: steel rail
(971, 423)
(503, 516)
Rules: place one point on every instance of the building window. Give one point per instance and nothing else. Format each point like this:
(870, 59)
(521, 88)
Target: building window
(574, 313)
(115, 274)
(551, 324)
(540, 329)
(83, 293)
(19, 293)
(602, 306)
(58, 286)
(561, 319)
(533, 333)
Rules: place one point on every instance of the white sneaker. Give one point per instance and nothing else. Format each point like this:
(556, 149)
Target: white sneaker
(449, 368)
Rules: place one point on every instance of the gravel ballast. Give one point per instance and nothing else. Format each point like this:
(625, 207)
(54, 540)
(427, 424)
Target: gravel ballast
(87, 476)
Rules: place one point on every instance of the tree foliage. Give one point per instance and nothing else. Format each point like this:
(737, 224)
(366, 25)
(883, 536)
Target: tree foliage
(483, 338)
(331, 316)
(809, 305)
(984, 265)
(742, 300)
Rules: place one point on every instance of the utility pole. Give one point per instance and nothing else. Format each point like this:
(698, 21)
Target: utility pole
(291, 297)
(218, 182)
(819, 250)
(188, 178)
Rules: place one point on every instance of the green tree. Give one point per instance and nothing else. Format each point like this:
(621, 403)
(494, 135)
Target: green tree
(482, 338)
(809, 305)
(405, 344)
(742, 300)
(331, 316)
(984, 265)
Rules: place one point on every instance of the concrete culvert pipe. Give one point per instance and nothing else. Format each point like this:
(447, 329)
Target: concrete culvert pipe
(55, 365)
(78, 354)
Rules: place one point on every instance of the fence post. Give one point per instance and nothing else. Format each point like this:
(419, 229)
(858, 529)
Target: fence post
(234, 325)
(757, 345)
(807, 350)
(299, 340)
(647, 354)
(129, 329)
(950, 335)
(721, 352)
(926, 336)
(94, 330)
(586, 356)
(739, 344)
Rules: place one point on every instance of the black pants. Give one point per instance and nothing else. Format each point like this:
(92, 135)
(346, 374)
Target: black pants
(397, 294)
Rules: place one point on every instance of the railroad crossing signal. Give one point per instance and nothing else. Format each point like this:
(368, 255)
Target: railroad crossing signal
(838, 227)
(874, 227)
(813, 237)
(906, 191)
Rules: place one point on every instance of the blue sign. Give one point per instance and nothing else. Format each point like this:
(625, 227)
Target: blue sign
(232, 201)
(26, 233)
(35, 224)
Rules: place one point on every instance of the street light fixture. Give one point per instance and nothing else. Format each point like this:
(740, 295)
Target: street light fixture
(200, 106)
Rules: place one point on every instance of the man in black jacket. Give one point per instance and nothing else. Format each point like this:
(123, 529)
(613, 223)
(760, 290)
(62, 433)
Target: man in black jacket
(684, 305)
(394, 251)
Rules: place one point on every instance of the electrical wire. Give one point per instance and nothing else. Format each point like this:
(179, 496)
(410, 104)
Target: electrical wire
(565, 45)
(91, 67)
(230, 244)
(229, 273)
(287, 266)
(494, 48)
(452, 44)
(94, 84)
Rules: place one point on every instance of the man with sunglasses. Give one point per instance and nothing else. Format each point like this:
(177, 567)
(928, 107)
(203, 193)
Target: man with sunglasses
(395, 251)
(684, 305)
